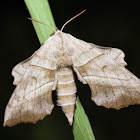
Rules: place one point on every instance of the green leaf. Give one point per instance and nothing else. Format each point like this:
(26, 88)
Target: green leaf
(40, 10)
(81, 126)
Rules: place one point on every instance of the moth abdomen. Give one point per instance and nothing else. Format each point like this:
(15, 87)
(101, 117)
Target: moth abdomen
(66, 92)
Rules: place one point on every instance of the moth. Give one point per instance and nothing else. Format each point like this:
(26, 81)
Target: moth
(51, 67)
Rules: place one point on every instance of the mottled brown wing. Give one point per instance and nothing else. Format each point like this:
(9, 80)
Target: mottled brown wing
(111, 84)
(32, 99)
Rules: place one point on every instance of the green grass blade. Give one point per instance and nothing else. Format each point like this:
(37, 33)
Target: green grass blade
(81, 126)
(40, 10)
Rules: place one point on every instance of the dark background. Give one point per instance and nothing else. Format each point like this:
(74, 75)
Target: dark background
(107, 24)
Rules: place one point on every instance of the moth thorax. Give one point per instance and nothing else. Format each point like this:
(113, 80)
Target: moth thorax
(64, 60)
(66, 92)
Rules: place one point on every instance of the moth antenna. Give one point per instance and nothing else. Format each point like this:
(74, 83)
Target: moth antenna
(43, 23)
(72, 19)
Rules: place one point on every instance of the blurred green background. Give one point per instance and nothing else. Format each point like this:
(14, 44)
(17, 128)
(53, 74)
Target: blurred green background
(107, 24)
